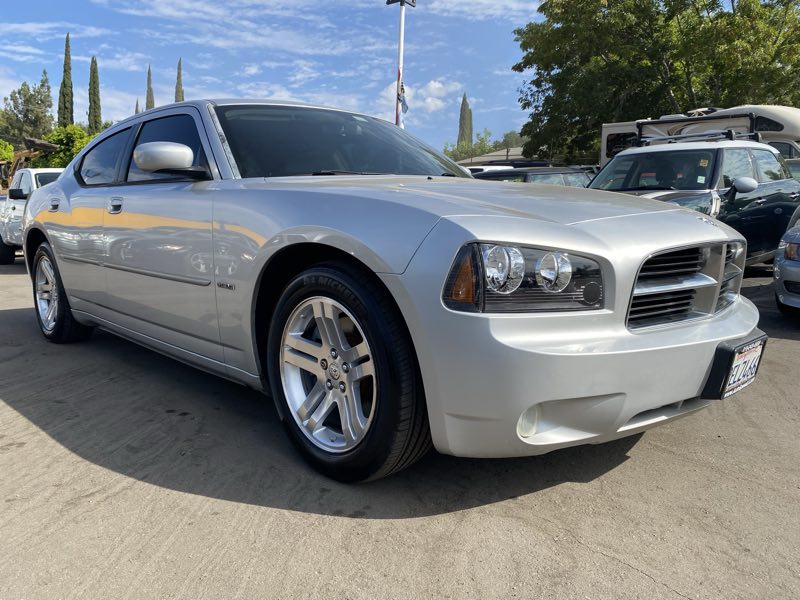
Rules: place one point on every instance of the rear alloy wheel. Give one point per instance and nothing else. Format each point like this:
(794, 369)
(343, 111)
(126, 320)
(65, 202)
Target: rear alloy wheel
(344, 376)
(50, 301)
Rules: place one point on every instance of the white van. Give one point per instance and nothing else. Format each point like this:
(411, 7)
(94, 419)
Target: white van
(778, 126)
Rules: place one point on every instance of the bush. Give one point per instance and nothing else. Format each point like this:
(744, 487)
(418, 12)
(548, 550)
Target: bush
(70, 140)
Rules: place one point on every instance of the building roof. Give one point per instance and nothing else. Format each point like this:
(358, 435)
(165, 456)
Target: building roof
(504, 154)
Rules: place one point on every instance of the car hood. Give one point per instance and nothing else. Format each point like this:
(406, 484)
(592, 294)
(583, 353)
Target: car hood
(447, 197)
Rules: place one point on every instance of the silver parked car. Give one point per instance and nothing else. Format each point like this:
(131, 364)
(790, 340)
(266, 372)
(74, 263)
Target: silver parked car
(383, 297)
(787, 273)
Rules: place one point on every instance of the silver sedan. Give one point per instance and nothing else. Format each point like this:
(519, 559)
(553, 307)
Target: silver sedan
(383, 298)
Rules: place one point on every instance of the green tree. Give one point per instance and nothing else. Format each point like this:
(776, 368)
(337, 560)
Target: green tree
(6, 151)
(464, 124)
(95, 118)
(70, 140)
(137, 110)
(65, 111)
(28, 112)
(592, 62)
(179, 83)
(510, 139)
(150, 101)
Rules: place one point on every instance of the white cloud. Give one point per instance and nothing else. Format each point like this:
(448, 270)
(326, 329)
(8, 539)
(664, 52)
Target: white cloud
(520, 11)
(251, 69)
(51, 30)
(303, 71)
(118, 61)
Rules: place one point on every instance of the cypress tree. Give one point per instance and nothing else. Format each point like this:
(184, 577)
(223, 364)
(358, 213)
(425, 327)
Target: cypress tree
(65, 112)
(465, 124)
(179, 83)
(95, 120)
(137, 111)
(150, 101)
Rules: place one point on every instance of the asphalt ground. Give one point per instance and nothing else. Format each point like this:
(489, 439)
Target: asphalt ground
(124, 474)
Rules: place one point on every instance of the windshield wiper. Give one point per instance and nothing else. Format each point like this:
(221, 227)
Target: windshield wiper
(448, 175)
(339, 172)
(645, 187)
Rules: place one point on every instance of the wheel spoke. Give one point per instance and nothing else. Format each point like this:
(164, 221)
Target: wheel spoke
(363, 371)
(51, 309)
(301, 344)
(299, 360)
(330, 328)
(312, 401)
(321, 413)
(48, 271)
(356, 354)
(353, 422)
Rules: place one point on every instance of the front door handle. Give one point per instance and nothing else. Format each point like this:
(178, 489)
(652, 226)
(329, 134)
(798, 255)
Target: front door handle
(54, 204)
(115, 206)
(794, 196)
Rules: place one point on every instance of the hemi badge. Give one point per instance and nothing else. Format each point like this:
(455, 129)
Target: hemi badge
(226, 286)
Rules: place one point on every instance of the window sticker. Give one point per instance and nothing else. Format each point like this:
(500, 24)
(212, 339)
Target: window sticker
(703, 163)
(701, 179)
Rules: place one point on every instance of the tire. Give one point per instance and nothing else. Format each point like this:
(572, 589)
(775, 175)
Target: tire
(8, 254)
(55, 322)
(786, 310)
(390, 430)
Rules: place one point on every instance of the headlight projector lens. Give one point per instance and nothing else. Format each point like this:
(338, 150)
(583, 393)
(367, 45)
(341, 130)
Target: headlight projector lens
(504, 267)
(554, 272)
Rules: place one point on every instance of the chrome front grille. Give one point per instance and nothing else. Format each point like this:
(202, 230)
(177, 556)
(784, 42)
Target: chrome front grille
(686, 283)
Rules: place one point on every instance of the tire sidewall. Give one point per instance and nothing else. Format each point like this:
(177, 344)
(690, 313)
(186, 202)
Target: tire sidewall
(370, 454)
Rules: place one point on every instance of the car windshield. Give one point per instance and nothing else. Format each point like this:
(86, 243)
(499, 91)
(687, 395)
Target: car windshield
(45, 178)
(658, 170)
(280, 141)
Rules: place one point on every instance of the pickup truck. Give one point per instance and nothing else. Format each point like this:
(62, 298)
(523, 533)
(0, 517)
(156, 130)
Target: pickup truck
(22, 186)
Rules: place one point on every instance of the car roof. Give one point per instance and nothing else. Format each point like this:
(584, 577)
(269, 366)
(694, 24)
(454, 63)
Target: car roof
(43, 170)
(697, 146)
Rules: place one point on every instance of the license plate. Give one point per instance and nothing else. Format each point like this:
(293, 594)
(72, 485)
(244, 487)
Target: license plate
(743, 370)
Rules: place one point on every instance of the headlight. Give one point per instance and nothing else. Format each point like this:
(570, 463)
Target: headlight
(792, 251)
(513, 279)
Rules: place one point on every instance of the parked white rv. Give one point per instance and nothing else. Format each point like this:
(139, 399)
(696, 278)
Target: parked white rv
(778, 126)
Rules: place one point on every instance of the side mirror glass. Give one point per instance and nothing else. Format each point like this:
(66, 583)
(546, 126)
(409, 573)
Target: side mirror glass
(170, 158)
(17, 194)
(745, 185)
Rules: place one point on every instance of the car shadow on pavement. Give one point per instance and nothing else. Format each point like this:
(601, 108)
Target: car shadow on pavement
(762, 294)
(147, 417)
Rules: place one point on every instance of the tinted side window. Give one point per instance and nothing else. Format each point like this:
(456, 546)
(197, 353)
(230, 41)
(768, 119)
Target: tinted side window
(99, 166)
(768, 166)
(577, 179)
(617, 142)
(180, 129)
(735, 164)
(547, 178)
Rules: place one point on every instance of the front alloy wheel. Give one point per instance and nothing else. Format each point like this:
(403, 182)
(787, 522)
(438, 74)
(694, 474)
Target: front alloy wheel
(344, 375)
(328, 374)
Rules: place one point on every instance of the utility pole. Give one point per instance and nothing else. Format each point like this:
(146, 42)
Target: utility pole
(400, 88)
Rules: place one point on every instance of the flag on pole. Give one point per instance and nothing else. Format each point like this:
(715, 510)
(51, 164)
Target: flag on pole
(401, 98)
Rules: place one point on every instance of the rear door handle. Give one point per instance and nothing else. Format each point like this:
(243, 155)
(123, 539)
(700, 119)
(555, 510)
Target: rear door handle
(54, 204)
(115, 205)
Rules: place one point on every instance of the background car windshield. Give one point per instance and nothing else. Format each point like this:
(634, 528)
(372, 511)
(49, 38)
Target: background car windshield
(43, 179)
(279, 141)
(678, 170)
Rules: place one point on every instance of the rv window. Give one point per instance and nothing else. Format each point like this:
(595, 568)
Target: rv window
(765, 124)
(617, 142)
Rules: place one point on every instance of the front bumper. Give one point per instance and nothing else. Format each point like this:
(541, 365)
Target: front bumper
(526, 384)
(787, 272)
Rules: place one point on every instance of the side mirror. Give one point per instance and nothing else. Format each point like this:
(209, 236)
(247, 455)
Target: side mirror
(17, 194)
(745, 185)
(169, 158)
(742, 185)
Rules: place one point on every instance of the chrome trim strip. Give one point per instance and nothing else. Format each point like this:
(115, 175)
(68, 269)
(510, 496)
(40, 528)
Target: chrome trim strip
(673, 284)
(178, 278)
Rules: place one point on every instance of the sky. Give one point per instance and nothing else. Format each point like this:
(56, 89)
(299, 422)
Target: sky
(335, 53)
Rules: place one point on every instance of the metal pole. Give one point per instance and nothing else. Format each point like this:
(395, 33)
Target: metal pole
(400, 62)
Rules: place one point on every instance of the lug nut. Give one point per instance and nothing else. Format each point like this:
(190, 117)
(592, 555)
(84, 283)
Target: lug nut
(334, 353)
(323, 363)
(345, 367)
(342, 386)
(329, 384)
